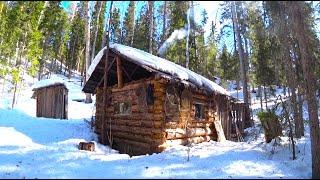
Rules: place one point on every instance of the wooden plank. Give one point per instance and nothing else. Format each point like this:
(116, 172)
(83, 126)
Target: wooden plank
(137, 123)
(132, 85)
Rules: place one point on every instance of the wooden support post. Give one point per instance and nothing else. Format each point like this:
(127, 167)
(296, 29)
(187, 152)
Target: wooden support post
(105, 77)
(119, 72)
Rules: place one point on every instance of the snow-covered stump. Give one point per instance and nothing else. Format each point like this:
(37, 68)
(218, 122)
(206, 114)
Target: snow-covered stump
(271, 125)
(88, 146)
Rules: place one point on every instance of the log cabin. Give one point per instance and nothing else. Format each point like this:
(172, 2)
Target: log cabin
(145, 103)
(51, 99)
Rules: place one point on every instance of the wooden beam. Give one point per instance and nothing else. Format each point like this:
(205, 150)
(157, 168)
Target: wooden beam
(119, 72)
(105, 77)
(134, 70)
(124, 70)
(108, 69)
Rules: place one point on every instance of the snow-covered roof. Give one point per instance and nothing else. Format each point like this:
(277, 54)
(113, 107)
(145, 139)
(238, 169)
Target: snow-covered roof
(159, 64)
(48, 82)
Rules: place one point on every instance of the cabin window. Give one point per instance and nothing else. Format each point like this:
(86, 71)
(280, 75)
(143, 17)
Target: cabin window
(122, 108)
(199, 111)
(150, 97)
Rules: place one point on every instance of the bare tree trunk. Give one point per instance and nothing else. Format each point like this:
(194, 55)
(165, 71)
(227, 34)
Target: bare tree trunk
(131, 42)
(187, 43)
(150, 14)
(246, 68)
(104, 38)
(234, 32)
(61, 62)
(299, 130)
(87, 40)
(241, 55)
(83, 65)
(300, 28)
(42, 61)
(96, 30)
(16, 81)
(238, 87)
(297, 123)
(260, 94)
(291, 82)
(265, 96)
(300, 113)
(21, 62)
(44, 41)
(287, 117)
(46, 4)
(164, 25)
(72, 57)
(14, 94)
(193, 33)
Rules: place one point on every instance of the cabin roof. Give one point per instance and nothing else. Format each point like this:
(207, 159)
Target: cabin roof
(152, 63)
(45, 83)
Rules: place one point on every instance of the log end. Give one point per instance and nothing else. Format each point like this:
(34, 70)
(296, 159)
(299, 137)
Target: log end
(87, 146)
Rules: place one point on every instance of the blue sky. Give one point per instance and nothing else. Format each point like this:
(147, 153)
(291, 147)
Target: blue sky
(210, 6)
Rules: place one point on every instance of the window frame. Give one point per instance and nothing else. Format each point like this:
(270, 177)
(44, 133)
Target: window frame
(202, 111)
(120, 106)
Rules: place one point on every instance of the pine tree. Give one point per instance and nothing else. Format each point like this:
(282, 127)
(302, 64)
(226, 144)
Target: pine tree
(140, 40)
(129, 26)
(164, 22)
(178, 20)
(212, 65)
(300, 15)
(241, 53)
(96, 26)
(263, 67)
(115, 35)
(76, 42)
(101, 26)
(277, 12)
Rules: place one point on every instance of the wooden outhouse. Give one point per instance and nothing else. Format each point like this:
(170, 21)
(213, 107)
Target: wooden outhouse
(52, 100)
(152, 103)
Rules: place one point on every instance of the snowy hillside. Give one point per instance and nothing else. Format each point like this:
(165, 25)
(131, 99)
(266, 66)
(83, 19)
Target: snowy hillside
(32, 147)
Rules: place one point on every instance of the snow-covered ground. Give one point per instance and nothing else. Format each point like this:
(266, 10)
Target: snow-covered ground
(32, 147)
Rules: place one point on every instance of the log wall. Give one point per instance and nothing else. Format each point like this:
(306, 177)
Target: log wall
(189, 129)
(139, 132)
(147, 129)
